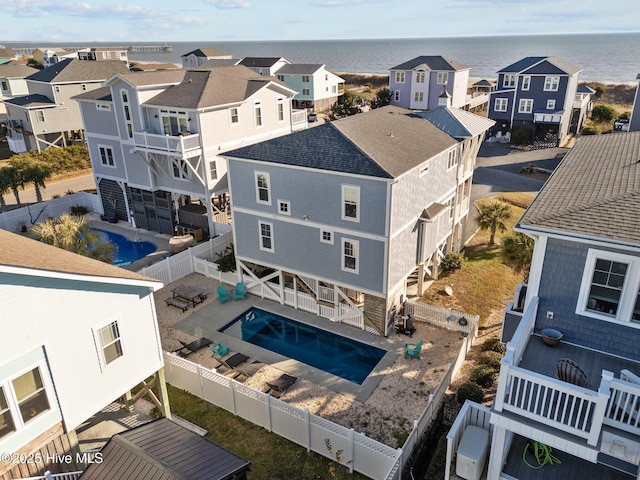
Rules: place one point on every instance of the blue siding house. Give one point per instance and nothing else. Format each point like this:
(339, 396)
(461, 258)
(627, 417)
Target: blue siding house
(348, 210)
(538, 93)
(584, 284)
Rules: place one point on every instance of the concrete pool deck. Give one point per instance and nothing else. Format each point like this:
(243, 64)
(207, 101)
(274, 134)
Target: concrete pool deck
(213, 316)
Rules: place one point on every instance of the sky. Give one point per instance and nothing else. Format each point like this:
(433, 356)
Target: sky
(237, 20)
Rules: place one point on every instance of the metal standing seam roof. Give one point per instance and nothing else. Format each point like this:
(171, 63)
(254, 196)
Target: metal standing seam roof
(215, 86)
(433, 62)
(521, 66)
(385, 143)
(164, 450)
(76, 71)
(594, 192)
(457, 123)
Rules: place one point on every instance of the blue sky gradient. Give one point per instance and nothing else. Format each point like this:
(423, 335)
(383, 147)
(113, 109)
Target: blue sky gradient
(236, 20)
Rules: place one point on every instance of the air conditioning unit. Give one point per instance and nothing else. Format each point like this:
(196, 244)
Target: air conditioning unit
(472, 453)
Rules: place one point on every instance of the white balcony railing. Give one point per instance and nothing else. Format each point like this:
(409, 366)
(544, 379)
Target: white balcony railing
(183, 145)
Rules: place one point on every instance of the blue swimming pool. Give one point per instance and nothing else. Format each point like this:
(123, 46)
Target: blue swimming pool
(127, 251)
(335, 354)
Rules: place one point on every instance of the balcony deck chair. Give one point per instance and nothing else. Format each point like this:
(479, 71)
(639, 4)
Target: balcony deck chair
(569, 371)
(219, 350)
(241, 291)
(280, 385)
(223, 295)
(192, 347)
(412, 350)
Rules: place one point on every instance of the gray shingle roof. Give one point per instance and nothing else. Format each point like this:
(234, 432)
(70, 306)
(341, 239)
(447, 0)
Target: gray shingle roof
(72, 70)
(554, 65)
(35, 100)
(164, 450)
(300, 69)
(594, 192)
(215, 86)
(206, 52)
(433, 62)
(7, 53)
(457, 123)
(8, 70)
(260, 61)
(155, 77)
(384, 143)
(102, 93)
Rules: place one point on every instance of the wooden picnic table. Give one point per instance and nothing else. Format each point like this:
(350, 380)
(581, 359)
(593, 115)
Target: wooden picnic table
(192, 294)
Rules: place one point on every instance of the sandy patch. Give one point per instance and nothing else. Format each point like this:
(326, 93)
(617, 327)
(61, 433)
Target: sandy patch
(387, 415)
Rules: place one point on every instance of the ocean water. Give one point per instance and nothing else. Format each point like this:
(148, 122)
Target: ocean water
(611, 58)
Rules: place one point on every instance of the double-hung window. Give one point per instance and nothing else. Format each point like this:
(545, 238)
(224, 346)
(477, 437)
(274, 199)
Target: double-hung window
(551, 104)
(452, 158)
(525, 105)
(262, 188)
(106, 156)
(306, 79)
(500, 104)
(235, 118)
(266, 236)
(30, 394)
(280, 103)
(257, 109)
(40, 116)
(7, 425)
(418, 97)
(509, 80)
(420, 76)
(526, 82)
(400, 77)
(350, 252)
(443, 78)
(110, 342)
(351, 203)
(551, 84)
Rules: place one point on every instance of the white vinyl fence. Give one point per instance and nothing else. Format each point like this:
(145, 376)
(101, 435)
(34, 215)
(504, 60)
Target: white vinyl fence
(13, 220)
(359, 452)
(443, 317)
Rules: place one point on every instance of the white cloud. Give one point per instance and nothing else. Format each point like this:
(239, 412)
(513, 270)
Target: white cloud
(230, 4)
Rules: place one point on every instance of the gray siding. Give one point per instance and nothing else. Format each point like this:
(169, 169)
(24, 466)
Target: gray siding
(559, 288)
(100, 170)
(98, 120)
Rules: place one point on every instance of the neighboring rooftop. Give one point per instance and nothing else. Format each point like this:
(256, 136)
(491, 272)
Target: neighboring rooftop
(432, 62)
(260, 62)
(541, 65)
(457, 123)
(11, 70)
(300, 68)
(164, 450)
(73, 70)
(385, 143)
(594, 192)
(35, 100)
(207, 53)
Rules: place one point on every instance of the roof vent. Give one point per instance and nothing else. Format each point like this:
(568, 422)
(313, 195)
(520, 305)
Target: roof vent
(189, 80)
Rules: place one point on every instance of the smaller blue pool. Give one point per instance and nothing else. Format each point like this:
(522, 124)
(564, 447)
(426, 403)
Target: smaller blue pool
(335, 354)
(126, 251)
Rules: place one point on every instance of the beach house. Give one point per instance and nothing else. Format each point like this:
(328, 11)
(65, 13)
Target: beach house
(317, 88)
(12, 84)
(100, 54)
(538, 94)
(634, 120)
(570, 378)
(347, 211)
(198, 57)
(418, 83)
(48, 56)
(77, 334)
(48, 116)
(155, 140)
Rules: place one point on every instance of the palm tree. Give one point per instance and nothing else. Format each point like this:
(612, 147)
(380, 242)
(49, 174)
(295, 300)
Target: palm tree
(15, 179)
(38, 173)
(492, 217)
(517, 251)
(72, 233)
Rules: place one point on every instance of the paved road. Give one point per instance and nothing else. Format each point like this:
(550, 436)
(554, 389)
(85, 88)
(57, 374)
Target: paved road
(77, 184)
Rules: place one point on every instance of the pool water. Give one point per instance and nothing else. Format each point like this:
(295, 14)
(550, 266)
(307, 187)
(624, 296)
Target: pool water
(335, 354)
(126, 251)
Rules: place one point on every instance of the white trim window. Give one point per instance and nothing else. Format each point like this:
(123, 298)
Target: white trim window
(40, 116)
(420, 76)
(351, 203)
(124, 95)
(443, 78)
(284, 207)
(213, 168)
(396, 95)
(180, 169)
(452, 158)
(525, 105)
(109, 343)
(263, 188)
(266, 236)
(419, 97)
(400, 77)
(7, 425)
(500, 104)
(526, 83)
(306, 79)
(509, 80)
(280, 107)
(234, 116)
(551, 104)
(551, 84)
(306, 92)
(350, 250)
(106, 156)
(174, 122)
(610, 287)
(257, 111)
(326, 236)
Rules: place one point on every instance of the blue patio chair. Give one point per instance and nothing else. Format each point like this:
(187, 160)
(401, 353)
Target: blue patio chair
(219, 350)
(241, 290)
(413, 349)
(223, 295)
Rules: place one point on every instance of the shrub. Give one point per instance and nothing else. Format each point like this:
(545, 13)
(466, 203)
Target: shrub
(491, 359)
(521, 136)
(590, 131)
(603, 113)
(79, 210)
(226, 260)
(470, 391)
(624, 116)
(494, 345)
(484, 375)
(453, 261)
(438, 460)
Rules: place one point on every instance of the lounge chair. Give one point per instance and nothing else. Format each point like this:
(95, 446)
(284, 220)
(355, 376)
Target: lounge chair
(234, 360)
(413, 349)
(569, 371)
(280, 385)
(241, 291)
(223, 295)
(189, 348)
(219, 350)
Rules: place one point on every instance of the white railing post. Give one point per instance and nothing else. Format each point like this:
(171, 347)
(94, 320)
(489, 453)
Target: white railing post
(503, 377)
(268, 404)
(307, 418)
(353, 449)
(604, 393)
